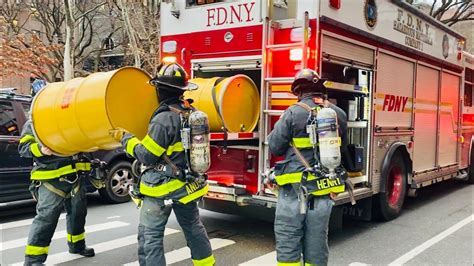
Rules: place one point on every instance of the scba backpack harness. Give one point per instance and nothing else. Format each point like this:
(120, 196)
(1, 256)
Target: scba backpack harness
(194, 135)
(327, 176)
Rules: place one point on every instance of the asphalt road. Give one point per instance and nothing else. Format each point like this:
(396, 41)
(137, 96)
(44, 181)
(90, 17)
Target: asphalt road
(436, 228)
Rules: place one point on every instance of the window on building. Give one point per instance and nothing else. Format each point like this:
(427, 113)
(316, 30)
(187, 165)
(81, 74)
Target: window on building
(190, 3)
(8, 124)
(108, 43)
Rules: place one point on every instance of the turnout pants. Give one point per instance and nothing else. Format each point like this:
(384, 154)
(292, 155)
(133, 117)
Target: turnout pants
(153, 219)
(297, 233)
(50, 204)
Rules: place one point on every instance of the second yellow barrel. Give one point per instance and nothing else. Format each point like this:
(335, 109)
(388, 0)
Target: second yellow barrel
(237, 100)
(77, 115)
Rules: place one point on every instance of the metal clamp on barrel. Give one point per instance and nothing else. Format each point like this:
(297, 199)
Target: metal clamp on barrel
(214, 101)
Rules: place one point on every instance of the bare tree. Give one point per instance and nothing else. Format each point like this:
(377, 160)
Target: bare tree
(131, 33)
(142, 23)
(80, 36)
(450, 12)
(77, 16)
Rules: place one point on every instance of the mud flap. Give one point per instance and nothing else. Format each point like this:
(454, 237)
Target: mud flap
(362, 210)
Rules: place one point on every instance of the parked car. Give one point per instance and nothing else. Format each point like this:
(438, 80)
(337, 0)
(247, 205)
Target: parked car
(15, 171)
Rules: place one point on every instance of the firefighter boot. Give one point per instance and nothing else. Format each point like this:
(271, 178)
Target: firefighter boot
(76, 209)
(86, 252)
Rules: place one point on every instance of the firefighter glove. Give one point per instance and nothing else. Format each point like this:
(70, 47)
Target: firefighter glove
(117, 133)
(46, 151)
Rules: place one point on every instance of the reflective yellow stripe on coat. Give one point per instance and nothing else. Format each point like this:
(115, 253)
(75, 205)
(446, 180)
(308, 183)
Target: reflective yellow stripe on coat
(302, 143)
(292, 178)
(65, 170)
(195, 195)
(35, 150)
(177, 147)
(336, 189)
(131, 144)
(27, 138)
(152, 146)
(161, 190)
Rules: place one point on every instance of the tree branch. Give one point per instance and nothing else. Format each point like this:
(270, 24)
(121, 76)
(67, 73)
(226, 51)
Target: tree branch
(89, 40)
(90, 10)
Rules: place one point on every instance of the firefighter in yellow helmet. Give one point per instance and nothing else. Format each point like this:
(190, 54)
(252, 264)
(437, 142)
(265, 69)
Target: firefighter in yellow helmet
(303, 211)
(164, 185)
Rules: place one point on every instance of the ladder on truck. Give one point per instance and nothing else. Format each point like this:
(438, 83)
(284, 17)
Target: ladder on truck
(270, 28)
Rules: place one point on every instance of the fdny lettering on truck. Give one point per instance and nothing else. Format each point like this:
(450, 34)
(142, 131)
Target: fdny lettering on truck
(232, 14)
(393, 103)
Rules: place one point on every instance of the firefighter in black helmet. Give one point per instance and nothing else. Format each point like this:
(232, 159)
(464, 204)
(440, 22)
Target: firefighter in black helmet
(163, 185)
(299, 233)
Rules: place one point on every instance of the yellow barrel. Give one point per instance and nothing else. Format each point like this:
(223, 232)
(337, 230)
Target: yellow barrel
(237, 99)
(77, 115)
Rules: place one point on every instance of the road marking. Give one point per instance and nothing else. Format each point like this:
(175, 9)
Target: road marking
(267, 259)
(113, 217)
(412, 253)
(184, 253)
(98, 248)
(21, 242)
(21, 223)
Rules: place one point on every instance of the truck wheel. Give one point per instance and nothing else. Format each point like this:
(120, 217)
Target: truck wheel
(389, 203)
(119, 177)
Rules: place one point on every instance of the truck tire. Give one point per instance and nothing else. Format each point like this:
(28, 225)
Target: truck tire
(119, 177)
(389, 204)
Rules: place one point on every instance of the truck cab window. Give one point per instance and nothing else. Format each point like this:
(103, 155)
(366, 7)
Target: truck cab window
(8, 124)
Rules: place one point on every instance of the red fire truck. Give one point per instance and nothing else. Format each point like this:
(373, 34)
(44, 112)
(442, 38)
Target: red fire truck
(395, 71)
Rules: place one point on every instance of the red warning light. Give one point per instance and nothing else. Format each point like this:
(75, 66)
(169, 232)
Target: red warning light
(335, 4)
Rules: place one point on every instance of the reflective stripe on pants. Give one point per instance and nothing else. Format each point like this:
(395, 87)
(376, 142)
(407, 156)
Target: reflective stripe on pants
(297, 233)
(35, 250)
(209, 261)
(153, 219)
(49, 208)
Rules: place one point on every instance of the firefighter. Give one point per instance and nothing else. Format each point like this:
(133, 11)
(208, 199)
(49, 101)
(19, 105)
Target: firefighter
(302, 232)
(57, 182)
(164, 185)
